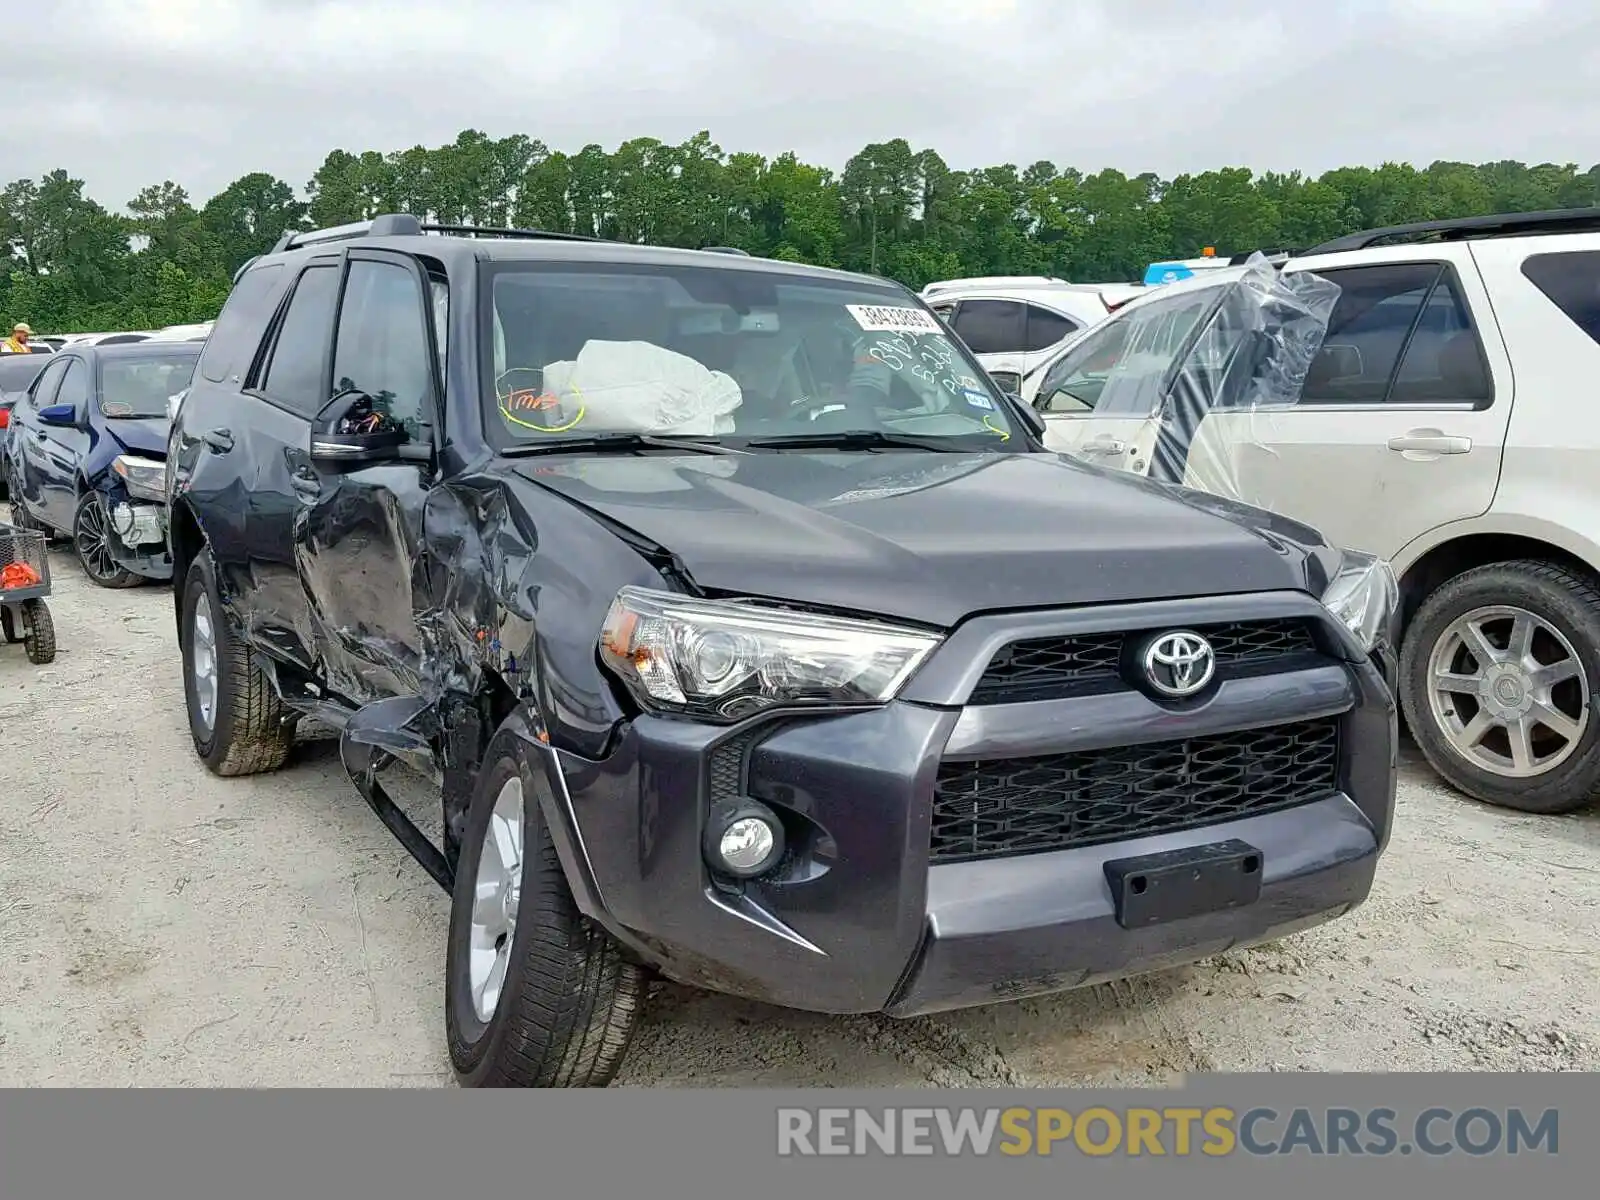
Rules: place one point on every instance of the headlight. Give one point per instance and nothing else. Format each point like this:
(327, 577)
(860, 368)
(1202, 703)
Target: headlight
(145, 478)
(1364, 595)
(722, 661)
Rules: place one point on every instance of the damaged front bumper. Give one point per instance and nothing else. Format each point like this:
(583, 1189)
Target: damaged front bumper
(902, 892)
(138, 537)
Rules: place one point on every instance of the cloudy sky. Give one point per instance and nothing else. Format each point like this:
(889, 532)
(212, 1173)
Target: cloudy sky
(128, 92)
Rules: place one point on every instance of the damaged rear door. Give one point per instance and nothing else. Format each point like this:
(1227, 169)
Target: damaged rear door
(361, 494)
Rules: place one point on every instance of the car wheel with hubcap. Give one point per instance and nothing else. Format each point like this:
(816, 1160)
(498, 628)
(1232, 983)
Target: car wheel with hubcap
(91, 540)
(536, 995)
(1497, 674)
(236, 719)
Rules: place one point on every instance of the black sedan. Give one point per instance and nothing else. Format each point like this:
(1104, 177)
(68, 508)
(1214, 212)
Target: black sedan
(86, 455)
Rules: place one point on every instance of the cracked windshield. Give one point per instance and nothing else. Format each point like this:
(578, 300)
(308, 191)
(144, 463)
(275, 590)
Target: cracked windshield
(728, 355)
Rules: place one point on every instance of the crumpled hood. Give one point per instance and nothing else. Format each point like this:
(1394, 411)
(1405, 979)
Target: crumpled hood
(141, 435)
(934, 538)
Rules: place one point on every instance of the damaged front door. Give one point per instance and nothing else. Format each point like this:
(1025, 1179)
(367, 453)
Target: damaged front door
(369, 470)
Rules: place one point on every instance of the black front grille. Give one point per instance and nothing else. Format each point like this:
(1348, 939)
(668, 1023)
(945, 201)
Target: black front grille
(1088, 663)
(1006, 807)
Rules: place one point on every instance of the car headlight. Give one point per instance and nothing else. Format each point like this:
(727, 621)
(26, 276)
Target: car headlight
(145, 478)
(1364, 595)
(722, 661)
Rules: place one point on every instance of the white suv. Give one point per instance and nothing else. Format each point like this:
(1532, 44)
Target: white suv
(1446, 424)
(1014, 323)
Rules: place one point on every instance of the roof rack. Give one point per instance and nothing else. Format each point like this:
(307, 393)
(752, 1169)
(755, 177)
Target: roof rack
(407, 225)
(1555, 220)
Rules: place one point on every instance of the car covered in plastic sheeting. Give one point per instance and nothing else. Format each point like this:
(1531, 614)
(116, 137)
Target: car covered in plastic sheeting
(87, 455)
(754, 638)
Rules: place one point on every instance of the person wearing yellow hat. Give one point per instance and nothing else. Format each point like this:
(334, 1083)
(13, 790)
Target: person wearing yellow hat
(17, 343)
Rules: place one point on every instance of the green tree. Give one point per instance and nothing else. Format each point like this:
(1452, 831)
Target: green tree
(68, 263)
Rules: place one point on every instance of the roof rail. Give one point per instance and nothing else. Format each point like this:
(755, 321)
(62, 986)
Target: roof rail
(492, 231)
(406, 225)
(1555, 220)
(725, 250)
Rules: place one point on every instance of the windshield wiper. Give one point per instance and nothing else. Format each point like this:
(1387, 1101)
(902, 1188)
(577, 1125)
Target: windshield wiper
(624, 442)
(856, 439)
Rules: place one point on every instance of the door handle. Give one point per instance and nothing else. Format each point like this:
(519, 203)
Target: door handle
(220, 440)
(1105, 445)
(1430, 441)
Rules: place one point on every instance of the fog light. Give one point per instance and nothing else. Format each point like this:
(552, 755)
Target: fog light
(744, 840)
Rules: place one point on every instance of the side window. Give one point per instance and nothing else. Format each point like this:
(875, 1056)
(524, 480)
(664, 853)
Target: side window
(991, 326)
(75, 386)
(1377, 307)
(237, 334)
(1444, 362)
(1571, 281)
(293, 375)
(382, 348)
(1120, 367)
(49, 379)
(1045, 329)
(440, 288)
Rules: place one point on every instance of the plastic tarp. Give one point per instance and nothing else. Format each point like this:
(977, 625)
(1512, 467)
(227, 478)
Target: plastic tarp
(1189, 390)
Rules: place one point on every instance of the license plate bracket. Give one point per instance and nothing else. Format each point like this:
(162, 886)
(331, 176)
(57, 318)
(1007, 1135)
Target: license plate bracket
(1154, 889)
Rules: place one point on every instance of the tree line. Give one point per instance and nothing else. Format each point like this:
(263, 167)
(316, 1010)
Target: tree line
(72, 264)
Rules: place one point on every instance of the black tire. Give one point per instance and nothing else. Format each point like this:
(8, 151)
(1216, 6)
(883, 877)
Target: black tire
(248, 734)
(570, 1002)
(38, 632)
(1570, 603)
(20, 516)
(91, 542)
(8, 627)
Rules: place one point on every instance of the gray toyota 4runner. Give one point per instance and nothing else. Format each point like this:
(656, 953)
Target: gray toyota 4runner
(755, 639)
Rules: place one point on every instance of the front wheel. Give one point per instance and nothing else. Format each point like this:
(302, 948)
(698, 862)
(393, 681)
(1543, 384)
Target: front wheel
(1497, 679)
(536, 995)
(91, 539)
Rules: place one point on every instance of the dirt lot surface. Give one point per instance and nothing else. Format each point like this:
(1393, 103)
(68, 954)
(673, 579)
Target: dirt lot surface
(162, 927)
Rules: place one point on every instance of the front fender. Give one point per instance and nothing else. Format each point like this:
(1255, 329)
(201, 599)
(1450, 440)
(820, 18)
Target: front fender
(542, 769)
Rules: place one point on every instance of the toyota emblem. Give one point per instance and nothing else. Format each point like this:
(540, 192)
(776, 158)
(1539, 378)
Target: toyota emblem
(1179, 664)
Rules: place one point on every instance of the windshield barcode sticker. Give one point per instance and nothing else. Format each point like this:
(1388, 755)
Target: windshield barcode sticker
(875, 319)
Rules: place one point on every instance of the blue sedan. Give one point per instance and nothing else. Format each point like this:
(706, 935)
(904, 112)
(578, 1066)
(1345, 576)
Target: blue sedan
(86, 456)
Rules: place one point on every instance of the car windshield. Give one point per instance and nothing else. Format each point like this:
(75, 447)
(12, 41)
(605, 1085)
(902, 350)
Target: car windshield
(139, 386)
(727, 355)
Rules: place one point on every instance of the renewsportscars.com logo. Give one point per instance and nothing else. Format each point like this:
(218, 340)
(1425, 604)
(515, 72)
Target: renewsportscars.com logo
(1164, 1132)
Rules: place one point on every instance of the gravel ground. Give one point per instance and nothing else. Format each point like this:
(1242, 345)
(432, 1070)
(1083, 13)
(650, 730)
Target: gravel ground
(162, 927)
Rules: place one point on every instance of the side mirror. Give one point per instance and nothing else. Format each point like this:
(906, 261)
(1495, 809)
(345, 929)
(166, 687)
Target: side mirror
(65, 415)
(351, 429)
(1029, 418)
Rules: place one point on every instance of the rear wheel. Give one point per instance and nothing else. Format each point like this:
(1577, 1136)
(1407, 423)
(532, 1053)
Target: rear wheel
(1498, 674)
(536, 995)
(20, 516)
(236, 719)
(91, 539)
